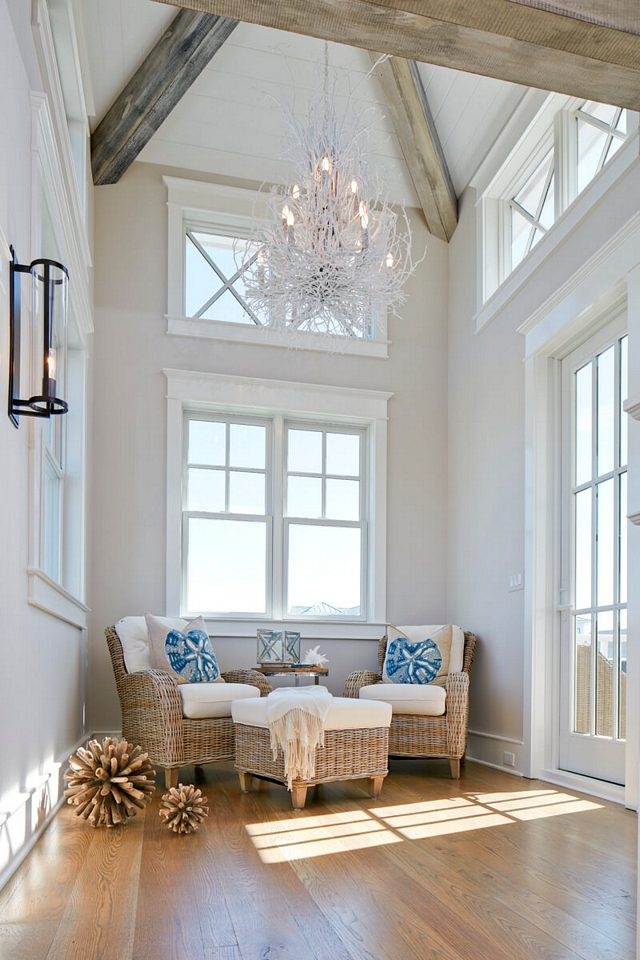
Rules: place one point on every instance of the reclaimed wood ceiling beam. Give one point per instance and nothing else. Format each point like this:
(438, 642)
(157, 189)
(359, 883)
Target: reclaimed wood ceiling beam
(595, 54)
(409, 110)
(175, 62)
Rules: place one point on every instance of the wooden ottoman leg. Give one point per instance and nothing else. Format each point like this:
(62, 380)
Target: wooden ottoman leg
(455, 769)
(171, 775)
(298, 797)
(375, 786)
(245, 780)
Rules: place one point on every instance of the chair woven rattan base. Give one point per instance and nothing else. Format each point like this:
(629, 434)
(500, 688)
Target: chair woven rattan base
(346, 755)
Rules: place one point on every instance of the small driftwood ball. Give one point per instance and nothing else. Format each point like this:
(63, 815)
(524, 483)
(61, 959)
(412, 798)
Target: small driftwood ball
(183, 808)
(109, 782)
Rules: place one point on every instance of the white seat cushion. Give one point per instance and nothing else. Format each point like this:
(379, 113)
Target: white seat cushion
(136, 643)
(344, 714)
(202, 701)
(421, 700)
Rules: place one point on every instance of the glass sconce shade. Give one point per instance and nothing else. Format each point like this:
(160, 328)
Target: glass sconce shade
(49, 286)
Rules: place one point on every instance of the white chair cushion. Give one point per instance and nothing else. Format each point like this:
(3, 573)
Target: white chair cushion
(136, 643)
(206, 701)
(421, 700)
(344, 714)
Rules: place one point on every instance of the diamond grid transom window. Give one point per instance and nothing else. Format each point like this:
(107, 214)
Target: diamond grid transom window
(532, 210)
(215, 269)
(602, 129)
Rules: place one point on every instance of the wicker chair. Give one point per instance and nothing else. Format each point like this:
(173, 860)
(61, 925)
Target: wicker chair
(419, 736)
(152, 716)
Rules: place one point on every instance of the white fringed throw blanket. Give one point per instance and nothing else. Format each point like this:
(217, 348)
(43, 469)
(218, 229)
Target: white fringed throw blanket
(296, 723)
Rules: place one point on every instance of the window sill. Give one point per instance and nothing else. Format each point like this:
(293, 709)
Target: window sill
(267, 337)
(309, 630)
(557, 234)
(46, 594)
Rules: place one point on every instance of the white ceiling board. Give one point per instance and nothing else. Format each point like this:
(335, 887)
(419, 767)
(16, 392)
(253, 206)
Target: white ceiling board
(231, 123)
(469, 112)
(119, 35)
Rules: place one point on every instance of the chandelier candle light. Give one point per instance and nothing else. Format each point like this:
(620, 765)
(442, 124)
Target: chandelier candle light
(332, 253)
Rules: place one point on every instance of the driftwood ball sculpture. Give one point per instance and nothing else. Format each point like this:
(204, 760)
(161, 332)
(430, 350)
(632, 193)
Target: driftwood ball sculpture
(109, 782)
(183, 808)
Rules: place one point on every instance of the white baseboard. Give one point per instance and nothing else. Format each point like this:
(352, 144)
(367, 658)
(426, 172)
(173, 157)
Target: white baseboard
(494, 766)
(490, 749)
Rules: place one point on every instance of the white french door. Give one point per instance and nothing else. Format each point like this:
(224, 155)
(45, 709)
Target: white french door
(594, 557)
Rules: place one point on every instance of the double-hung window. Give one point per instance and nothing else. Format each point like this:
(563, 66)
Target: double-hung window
(275, 518)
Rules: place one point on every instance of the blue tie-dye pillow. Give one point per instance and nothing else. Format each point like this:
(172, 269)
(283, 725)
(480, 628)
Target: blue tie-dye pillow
(191, 656)
(408, 662)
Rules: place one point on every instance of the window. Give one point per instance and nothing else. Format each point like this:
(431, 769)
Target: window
(601, 131)
(276, 504)
(273, 518)
(208, 230)
(213, 277)
(566, 145)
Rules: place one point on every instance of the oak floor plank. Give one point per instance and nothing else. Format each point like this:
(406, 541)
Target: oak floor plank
(99, 920)
(41, 888)
(167, 917)
(26, 941)
(287, 916)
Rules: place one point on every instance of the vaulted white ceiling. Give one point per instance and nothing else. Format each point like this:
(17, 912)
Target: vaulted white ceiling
(230, 122)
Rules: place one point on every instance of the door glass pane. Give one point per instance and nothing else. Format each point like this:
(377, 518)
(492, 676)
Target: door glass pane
(343, 500)
(304, 454)
(582, 674)
(226, 566)
(343, 454)
(604, 674)
(207, 442)
(246, 492)
(583, 424)
(583, 549)
(247, 446)
(304, 497)
(324, 570)
(606, 444)
(605, 543)
(206, 490)
(622, 690)
(624, 376)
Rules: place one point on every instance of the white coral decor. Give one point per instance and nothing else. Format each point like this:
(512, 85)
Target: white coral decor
(314, 658)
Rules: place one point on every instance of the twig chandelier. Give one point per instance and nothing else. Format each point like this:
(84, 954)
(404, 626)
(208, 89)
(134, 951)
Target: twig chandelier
(332, 254)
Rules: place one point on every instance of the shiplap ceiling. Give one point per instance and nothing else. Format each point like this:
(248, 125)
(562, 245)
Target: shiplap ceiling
(230, 123)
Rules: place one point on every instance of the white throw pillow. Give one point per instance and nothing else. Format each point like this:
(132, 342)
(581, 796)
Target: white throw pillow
(136, 643)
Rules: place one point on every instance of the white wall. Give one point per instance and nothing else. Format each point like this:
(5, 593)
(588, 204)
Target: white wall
(129, 430)
(42, 675)
(486, 499)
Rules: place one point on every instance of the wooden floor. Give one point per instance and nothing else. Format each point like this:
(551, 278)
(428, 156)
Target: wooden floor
(490, 867)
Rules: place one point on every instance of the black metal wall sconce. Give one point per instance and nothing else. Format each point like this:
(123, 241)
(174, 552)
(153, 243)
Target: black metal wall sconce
(50, 284)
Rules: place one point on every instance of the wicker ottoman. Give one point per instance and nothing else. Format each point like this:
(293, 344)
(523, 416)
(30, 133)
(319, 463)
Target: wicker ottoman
(356, 746)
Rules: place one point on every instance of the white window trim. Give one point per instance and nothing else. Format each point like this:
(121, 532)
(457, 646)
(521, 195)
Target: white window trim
(511, 151)
(56, 180)
(232, 210)
(246, 396)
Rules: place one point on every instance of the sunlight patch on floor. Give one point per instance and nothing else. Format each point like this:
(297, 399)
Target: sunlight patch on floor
(279, 841)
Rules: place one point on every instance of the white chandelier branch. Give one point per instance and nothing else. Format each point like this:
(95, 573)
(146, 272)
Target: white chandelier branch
(332, 253)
